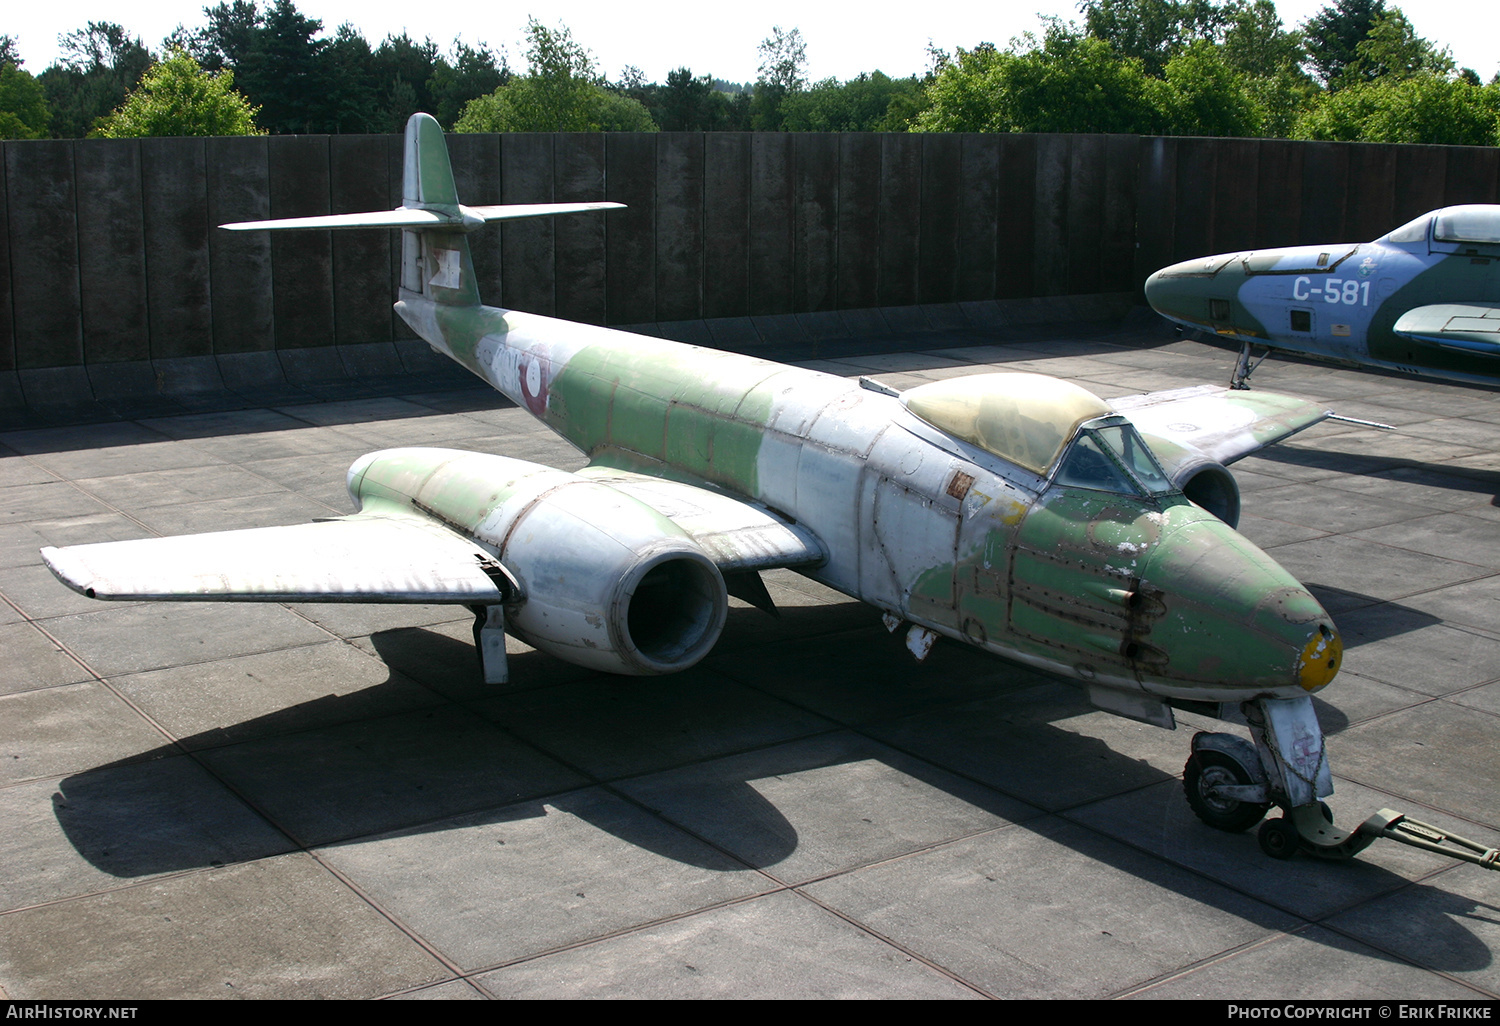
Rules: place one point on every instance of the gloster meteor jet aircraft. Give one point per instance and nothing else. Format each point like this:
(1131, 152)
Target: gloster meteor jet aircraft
(1423, 300)
(1014, 512)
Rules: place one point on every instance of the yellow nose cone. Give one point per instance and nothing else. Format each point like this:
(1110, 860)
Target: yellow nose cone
(1319, 662)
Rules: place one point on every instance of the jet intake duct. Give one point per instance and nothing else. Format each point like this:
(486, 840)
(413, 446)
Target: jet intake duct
(1211, 486)
(608, 582)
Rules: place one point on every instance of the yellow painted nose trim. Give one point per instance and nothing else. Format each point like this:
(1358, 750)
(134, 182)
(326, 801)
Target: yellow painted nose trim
(1319, 662)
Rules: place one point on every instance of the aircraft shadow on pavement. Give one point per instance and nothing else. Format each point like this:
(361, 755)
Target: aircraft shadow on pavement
(1483, 482)
(327, 772)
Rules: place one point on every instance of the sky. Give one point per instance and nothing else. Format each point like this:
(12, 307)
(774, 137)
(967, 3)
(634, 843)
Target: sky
(711, 37)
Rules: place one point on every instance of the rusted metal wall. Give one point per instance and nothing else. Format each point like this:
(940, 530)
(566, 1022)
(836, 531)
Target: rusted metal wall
(112, 257)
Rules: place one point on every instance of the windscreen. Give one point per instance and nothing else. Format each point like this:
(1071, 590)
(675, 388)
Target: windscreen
(1112, 457)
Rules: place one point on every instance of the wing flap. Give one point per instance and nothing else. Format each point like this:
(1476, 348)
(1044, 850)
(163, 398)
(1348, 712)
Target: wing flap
(1472, 327)
(735, 533)
(1221, 423)
(361, 558)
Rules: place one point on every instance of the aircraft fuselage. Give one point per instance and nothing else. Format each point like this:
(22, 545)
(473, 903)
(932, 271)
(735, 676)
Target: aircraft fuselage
(1411, 301)
(1134, 592)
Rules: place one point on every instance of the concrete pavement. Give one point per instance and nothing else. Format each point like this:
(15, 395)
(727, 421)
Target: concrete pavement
(323, 801)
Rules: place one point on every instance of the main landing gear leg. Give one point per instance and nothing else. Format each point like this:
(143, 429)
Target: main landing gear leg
(1231, 784)
(489, 643)
(1243, 367)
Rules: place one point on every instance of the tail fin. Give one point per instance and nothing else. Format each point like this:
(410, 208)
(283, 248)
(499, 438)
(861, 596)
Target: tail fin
(435, 261)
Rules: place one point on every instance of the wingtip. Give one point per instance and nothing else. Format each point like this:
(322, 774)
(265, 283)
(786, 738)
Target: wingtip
(68, 571)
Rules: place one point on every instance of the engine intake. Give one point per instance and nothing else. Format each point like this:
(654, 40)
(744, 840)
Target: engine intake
(608, 582)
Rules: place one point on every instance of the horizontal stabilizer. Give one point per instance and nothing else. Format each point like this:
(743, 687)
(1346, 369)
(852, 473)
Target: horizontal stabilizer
(461, 218)
(1221, 423)
(1472, 327)
(360, 558)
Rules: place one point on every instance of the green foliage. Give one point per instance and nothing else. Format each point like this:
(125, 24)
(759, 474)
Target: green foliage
(869, 103)
(471, 73)
(1067, 84)
(1332, 36)
(1151, 31)
(399, 72)
(177, 97)
(689, 103)
(561, 93)
(100, 64)
(282, 72)
(1421, 109)
(350, 102)
(23, 103)
(1204, 95)
(783, 73)
(1255, 43)
(1393, 50)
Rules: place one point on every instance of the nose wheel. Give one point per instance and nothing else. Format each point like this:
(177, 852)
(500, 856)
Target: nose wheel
(1220, 786)
(1230, 784)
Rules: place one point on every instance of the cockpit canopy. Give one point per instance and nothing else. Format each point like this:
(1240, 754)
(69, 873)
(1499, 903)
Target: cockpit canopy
(1473, 222)
(1024, 418)
(1031, 419)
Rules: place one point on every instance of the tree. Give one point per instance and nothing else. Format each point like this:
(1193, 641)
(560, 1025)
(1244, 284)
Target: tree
(228, 38)
(470, 74)
(783, 72)
(1255, 43)
(177, 97)
(1064, 83)
(23, 103)
(1151, 31)
(561, 92)
(280, 70)
(1392, 49)
(1332, 36)
(100, 64)
(686, 103)
(872, 102)
(401, 69)
(351, 102)
(1204, 95)
(1421, 109)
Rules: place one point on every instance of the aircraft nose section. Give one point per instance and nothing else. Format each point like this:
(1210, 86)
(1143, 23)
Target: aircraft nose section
(1198, 292)
(1234, 622)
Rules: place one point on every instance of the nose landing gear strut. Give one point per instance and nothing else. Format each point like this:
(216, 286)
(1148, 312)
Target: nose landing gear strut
(1231, 784)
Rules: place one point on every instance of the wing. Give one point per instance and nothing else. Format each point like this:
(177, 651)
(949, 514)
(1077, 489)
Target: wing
(360, 558)
(1219, 423)
(460, 217)
(395, 557)
(1472, 327)
(735, 533)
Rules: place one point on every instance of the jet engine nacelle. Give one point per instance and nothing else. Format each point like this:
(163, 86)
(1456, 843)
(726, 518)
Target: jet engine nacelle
(605, 581)
(1210, 485)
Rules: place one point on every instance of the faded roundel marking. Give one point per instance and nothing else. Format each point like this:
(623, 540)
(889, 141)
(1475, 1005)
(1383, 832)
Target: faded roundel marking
(534, 374)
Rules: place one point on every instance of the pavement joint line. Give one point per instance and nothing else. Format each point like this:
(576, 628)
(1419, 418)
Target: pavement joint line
(1228, 954)
(1373, 942)
(859, 732)
(144, 881)
(624, 931)
(1425, 806)
(390, 917)
(910, 953)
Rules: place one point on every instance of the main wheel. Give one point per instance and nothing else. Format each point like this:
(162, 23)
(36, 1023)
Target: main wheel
(1279, 838)
(1208, 768)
